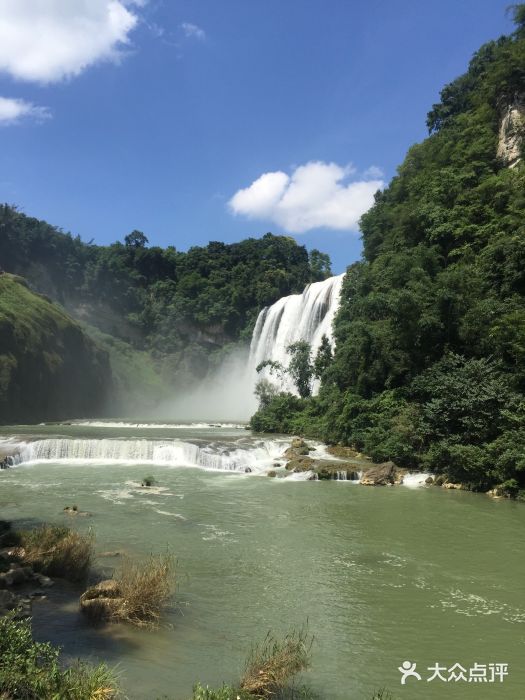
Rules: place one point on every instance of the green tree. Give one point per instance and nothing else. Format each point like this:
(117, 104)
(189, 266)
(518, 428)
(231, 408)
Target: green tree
(323, 358)
(136, 239)
(320, 265)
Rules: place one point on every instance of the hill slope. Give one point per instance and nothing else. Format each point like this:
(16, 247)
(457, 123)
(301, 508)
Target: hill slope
(429, 368)
(49, 368)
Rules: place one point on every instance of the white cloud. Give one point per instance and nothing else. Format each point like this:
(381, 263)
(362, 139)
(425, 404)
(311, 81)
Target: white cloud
(13, 111)
(315, 195)
(192, 31)
(374, 172)
(49, 40)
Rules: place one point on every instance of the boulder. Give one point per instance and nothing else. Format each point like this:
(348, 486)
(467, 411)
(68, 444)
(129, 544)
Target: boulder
(102, 602)
(429, 480)
(73, 510)
(452, 486)
(494, 493)
(439, 480)
(298, 443)
(300, 464)
(43, 581)
(380, 475)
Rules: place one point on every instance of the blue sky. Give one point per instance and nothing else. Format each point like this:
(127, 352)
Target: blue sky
(154, 114)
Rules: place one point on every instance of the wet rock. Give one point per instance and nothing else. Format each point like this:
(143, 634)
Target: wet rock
(102, 602)
(429, 481)
(453, 486)
(439, 481)
(338, 470)
(495, 493)
(43, 581)
(300, 464)
(342, 452)
(272, 473)
(298, 443)
(381, 475)
(73, 510)
(248, 470)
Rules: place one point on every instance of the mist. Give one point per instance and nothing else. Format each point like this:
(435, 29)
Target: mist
(226, 394)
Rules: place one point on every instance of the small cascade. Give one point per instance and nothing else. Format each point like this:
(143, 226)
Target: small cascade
(340, 475)
(253, 458)
(307, 316)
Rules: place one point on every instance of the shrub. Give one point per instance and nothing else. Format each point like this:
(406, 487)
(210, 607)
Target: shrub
(136, 594)
(30, 670)
(148, 481)
(145, 588)
(272, 665)
(58, 551)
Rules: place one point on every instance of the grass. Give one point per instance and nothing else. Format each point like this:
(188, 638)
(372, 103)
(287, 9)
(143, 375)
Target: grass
(139, 593)
(58, 551)
(273, 664)
(30, 670)
(146, 588)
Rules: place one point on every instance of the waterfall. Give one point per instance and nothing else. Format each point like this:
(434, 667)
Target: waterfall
(307, 316)
(256, 457)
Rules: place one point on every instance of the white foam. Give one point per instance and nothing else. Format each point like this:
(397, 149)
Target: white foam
(158, 426)
(254, 457)
(415, 480)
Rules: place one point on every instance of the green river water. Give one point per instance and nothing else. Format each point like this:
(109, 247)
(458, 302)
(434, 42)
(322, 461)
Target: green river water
(383, 575)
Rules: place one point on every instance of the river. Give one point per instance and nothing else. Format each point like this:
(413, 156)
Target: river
(383, 575)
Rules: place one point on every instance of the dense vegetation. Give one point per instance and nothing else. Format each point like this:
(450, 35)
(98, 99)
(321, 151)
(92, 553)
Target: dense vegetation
(49, 368)
(429, 367)
(30, 670)
(161, 314)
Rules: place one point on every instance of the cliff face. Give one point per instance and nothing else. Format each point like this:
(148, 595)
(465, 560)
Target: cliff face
(49, 368)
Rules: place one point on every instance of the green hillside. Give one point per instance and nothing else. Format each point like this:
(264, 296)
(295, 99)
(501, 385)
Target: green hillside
(429, 368)
(49, 368)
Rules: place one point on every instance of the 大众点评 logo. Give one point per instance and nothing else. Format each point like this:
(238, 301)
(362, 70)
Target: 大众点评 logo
(477, 673)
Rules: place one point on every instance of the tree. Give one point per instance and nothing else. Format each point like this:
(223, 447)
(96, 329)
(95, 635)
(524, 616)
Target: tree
(300, 367)
(265, 392)
(136, 239)
(320, 266)
(324, 358)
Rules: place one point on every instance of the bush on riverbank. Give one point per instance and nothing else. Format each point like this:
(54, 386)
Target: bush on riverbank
(274, 663)
(58, 551)
(30, 670)
(137, 593)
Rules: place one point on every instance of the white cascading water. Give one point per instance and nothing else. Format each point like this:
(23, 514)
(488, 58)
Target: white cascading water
(307, 316)
(254, 458)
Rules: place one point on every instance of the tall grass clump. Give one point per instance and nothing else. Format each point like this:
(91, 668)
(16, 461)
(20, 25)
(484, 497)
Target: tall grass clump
(145, 588)
(30, 670)
(58, 551)
(273, 664)
(137, 593)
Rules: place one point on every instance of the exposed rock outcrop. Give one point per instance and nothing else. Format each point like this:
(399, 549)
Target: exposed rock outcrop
(510, 139)
(382, 475)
